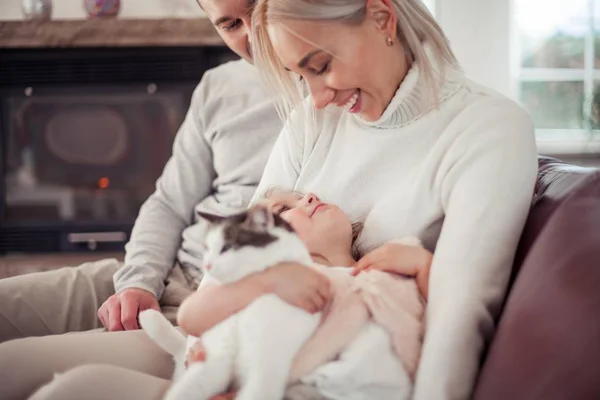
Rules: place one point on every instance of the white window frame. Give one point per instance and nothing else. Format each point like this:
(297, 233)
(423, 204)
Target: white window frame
(561, 141)
(431, 5)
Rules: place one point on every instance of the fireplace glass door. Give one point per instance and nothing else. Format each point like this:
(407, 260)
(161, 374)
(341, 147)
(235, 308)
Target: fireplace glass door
(86, 157)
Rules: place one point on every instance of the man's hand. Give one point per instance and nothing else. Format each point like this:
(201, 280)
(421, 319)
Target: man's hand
(120, 311)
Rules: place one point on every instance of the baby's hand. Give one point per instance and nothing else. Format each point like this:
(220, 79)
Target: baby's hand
(398, 258)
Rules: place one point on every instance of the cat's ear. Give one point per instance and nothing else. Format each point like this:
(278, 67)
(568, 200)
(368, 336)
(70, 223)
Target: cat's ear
(260, 219)
(212, 218)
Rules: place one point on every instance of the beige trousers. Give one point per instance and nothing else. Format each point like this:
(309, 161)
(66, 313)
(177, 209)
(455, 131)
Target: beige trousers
(107, 382)
(52, 316)
(103, 382)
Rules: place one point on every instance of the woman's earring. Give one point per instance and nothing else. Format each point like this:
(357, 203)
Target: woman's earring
(389, 41)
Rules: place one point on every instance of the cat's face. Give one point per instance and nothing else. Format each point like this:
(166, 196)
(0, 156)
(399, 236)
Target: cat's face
(239, 245)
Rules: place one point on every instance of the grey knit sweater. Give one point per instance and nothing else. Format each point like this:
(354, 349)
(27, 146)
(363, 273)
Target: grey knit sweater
(218, 158)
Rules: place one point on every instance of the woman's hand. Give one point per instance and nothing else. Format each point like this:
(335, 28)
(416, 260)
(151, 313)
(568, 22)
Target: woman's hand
(299, 286)
(398, 258)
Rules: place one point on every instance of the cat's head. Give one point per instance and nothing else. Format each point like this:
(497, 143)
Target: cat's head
(248, 242)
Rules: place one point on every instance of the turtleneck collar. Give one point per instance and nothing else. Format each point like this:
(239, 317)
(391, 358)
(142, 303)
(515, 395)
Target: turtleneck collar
(415, 98)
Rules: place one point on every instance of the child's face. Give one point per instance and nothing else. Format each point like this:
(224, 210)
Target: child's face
(321, 226)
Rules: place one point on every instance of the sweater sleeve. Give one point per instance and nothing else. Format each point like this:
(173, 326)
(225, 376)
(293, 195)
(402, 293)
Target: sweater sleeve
(486, 185)
(186, 179)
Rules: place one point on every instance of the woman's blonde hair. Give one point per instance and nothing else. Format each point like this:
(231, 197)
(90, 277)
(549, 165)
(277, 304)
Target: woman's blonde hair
(416, 26)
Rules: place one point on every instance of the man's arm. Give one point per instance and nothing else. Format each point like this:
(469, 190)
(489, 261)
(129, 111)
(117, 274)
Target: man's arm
(186, 179)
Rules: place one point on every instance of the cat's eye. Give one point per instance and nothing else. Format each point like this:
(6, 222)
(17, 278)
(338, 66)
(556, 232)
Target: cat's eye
(225, 248)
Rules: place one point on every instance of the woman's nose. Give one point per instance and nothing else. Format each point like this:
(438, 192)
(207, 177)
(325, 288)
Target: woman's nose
(321, 94)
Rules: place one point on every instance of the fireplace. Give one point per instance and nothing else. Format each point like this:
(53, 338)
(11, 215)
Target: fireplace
(85, 133)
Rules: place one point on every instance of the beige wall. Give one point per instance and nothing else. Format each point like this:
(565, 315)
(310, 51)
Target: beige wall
(480, 33)
(478, 29)
(73, 9)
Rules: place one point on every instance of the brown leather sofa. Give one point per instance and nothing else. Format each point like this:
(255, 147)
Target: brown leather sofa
(547, 345)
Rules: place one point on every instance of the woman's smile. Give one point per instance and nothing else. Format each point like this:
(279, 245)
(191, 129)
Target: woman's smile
(353, 103)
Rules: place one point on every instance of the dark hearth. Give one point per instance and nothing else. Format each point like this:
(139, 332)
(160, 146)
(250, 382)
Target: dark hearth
(84, 134)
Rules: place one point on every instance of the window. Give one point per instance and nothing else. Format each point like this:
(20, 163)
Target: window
(431, 5)
(557, 51)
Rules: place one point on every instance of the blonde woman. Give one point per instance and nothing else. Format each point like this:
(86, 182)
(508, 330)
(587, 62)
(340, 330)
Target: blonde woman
(396, 135)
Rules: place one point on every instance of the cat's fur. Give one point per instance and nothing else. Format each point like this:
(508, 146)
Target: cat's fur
(253, 350)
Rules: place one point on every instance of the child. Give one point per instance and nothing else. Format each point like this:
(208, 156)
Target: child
(331, 239)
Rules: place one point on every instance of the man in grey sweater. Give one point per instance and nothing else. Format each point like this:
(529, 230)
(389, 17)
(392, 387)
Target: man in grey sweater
(218, 158)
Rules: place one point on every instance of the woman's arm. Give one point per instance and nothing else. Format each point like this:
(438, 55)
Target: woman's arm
(296, 284)
(486, 186)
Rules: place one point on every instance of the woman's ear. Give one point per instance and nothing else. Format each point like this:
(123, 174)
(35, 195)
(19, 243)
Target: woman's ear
(383, 15)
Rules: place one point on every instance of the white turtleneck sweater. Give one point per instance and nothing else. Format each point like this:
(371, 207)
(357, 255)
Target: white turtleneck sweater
(459, 176)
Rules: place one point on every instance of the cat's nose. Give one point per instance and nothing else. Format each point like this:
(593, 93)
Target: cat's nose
(207, 267)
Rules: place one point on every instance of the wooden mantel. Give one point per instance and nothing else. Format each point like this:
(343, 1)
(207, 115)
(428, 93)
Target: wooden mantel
(109, 33)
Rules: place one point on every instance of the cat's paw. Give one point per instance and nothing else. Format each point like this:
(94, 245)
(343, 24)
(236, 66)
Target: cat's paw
(408, 241)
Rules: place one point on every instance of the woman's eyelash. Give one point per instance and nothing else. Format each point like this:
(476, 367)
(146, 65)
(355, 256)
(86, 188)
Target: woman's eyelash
(323, 70)
(232, 26)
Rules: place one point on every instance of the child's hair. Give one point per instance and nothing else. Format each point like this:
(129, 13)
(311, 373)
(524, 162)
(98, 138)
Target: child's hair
(357, 228)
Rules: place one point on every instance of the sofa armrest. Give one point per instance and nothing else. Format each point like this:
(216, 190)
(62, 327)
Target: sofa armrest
(547, 345)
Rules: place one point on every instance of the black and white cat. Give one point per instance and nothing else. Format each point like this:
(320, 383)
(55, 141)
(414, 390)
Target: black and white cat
(254, 349)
